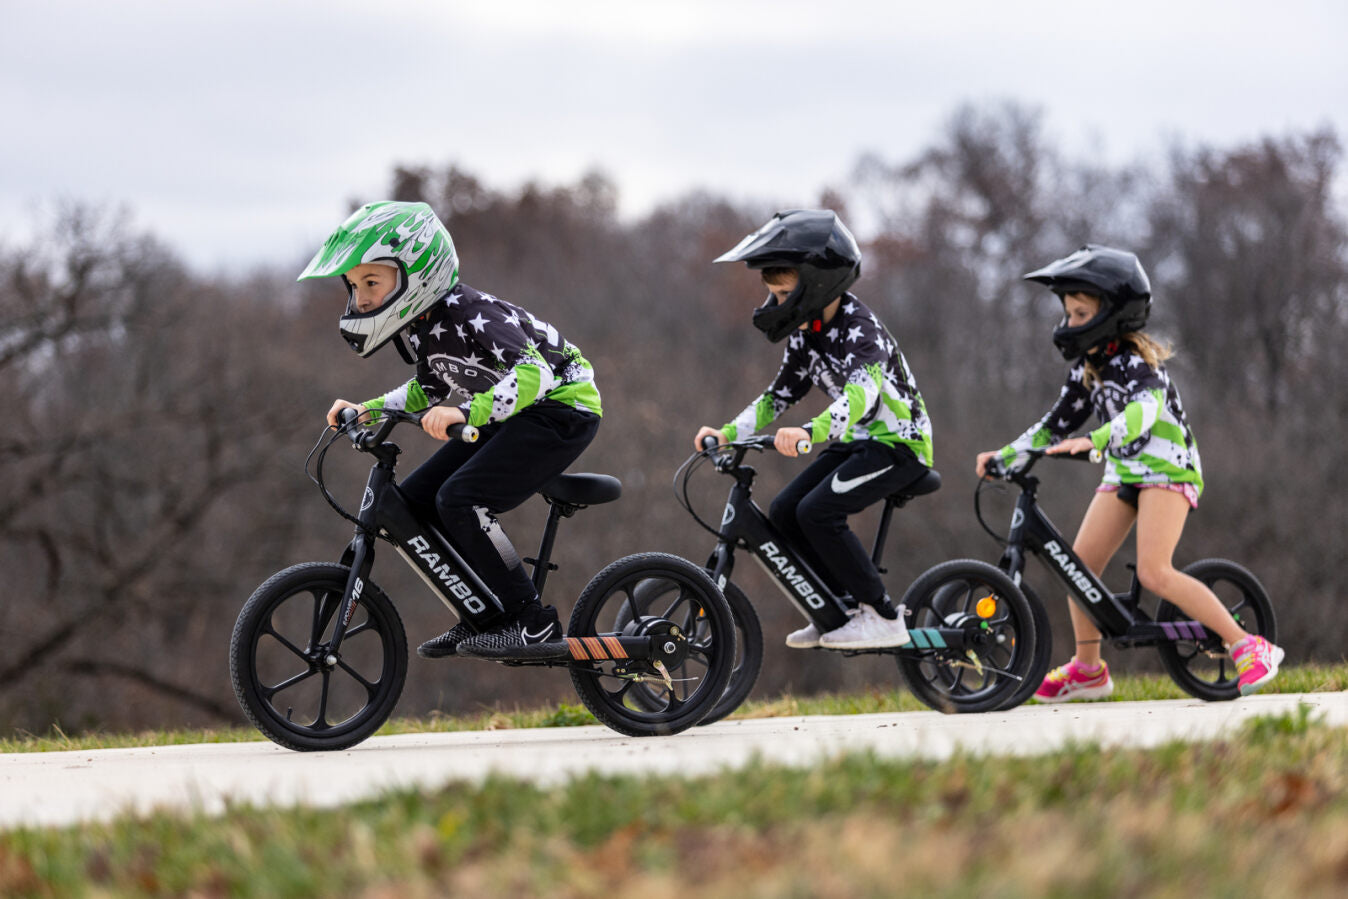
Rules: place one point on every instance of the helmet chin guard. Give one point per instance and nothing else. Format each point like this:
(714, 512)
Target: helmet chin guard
(819, 247)
(1116, 277)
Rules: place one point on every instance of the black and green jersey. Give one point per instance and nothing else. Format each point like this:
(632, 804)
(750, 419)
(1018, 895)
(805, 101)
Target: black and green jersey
(856, 361)
(494, 353)
(1144, 435)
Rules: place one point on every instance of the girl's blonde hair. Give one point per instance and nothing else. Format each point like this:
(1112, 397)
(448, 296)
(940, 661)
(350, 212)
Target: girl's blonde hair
(1152, 351)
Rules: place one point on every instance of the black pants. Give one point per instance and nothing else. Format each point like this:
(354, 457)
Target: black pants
(468, 484)
(811, 511)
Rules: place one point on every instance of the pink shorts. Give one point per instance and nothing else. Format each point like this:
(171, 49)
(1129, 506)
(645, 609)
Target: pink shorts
(1189, 490)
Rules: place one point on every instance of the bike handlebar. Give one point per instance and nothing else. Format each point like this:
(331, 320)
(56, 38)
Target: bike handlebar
(763, 442)
(995, 468)
(364, 439)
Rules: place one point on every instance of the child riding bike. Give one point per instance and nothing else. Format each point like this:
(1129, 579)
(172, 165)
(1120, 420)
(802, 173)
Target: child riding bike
(808, 260)
(1153, 475)
(530, 393)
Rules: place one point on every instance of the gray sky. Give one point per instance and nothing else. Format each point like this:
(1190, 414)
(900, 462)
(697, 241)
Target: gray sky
(237, 131)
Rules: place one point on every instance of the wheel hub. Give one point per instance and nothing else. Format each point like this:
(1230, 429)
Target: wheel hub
(669, 644)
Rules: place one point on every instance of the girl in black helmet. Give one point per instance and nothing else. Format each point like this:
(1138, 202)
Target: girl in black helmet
(1152, 475)
(808, 260)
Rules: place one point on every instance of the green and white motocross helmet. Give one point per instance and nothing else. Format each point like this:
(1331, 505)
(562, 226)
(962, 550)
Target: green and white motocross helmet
(407, 235)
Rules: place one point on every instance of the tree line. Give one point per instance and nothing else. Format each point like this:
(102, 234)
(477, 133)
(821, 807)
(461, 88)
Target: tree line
(158, 419)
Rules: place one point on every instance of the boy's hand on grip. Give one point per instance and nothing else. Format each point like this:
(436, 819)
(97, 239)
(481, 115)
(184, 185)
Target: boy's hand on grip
(789, 441)
(436, 420)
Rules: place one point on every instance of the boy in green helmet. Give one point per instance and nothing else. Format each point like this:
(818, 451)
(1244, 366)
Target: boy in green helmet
(530, 393)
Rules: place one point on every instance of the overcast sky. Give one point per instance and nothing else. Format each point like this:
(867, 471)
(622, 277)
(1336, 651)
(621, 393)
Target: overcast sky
(238, 131)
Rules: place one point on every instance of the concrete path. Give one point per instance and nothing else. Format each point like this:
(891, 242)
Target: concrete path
(55, 788)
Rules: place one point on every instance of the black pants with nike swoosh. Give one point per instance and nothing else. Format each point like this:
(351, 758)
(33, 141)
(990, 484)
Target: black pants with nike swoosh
(811, 511)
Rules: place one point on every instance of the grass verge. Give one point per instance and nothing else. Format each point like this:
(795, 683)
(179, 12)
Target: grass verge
(1181, 820)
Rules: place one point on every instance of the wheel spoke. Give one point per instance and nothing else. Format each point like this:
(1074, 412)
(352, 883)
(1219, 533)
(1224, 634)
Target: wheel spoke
(270, 631)
(631, 602)
(618, 694)
(321, 720)
(269, 692)
(370, 688)
(678, 601)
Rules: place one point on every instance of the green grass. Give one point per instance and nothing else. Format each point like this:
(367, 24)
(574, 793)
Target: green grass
(1302, 679)
(1259, 815)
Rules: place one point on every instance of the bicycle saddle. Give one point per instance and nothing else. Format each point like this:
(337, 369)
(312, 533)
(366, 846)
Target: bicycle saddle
(582, 489)
(929, 482)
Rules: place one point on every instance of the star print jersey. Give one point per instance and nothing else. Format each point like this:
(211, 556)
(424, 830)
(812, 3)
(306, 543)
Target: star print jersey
(1144, 435)
(856, 361)
(496, 354)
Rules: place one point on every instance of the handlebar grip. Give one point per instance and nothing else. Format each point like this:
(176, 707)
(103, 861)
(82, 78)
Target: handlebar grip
(803, 447)
(462, 431)
(710, 443)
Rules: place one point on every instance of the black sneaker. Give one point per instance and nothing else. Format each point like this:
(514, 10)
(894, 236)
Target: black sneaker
(446, 644)
(536, 634)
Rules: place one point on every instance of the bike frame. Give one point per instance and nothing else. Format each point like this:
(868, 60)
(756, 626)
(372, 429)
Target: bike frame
(384, 512)
(745, 526)
(1118, 616)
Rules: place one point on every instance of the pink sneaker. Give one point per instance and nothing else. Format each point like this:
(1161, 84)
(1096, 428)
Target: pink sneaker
(1071, 681)
(1256, 661)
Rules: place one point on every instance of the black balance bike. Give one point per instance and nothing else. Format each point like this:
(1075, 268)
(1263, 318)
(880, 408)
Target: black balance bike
(319, 657)
(973, 638)
(1193, 656)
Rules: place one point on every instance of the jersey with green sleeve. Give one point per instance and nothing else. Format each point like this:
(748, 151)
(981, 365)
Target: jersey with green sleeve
(494, 353)
(856, 362)
(1144, 436)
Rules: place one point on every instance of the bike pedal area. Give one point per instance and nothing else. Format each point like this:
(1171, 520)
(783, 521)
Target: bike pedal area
(578, 649)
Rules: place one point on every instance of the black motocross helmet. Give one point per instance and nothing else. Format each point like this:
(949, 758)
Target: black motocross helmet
(1116, 277)
(815, 243)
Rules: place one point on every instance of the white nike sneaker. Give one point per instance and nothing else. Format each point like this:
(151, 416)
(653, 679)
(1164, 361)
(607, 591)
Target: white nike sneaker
(867, 629)
(805, 638)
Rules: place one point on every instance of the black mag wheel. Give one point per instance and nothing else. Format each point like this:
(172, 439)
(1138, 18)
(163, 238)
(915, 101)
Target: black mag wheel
(998, 647)
(656, 596)
(1200, 664)
(637, 697)
(290, 685)
(1043, 649)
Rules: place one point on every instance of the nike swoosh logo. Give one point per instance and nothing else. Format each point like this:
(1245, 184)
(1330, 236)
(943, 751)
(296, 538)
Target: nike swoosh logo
(535, 638)
(841, 486)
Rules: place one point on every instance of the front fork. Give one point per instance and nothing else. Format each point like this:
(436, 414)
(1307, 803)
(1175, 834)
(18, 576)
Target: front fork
(359, 557)
(721, 563)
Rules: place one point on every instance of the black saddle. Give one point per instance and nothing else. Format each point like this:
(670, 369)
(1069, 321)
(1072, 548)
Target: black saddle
(582, 489)
(929, 482)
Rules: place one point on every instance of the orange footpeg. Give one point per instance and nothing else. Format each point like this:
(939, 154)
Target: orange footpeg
(594, 649)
